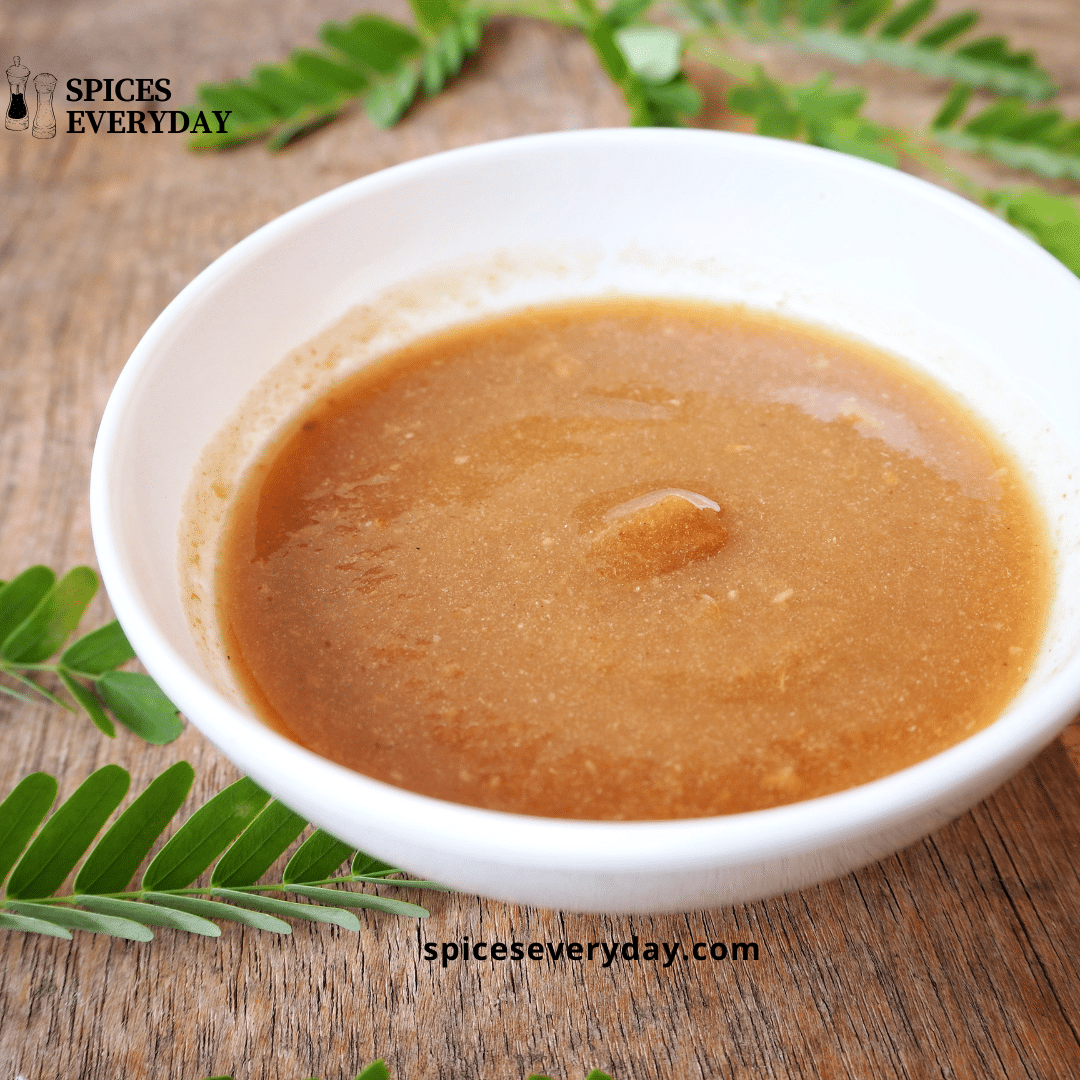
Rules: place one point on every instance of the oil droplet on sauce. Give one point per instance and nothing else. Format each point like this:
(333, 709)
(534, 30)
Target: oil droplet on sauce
(657, 533)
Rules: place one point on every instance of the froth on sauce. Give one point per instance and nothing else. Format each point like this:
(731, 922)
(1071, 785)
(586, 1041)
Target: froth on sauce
(633, 560)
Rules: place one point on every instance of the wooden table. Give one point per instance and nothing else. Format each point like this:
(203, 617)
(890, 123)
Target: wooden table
(955, 958)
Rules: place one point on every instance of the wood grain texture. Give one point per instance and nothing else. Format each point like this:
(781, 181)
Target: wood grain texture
(954, 958)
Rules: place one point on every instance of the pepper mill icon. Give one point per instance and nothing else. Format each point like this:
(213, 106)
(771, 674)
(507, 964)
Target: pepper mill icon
(44, 117)
(17, 118)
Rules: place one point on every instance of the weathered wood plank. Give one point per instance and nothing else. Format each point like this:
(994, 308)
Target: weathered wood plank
(954, 958)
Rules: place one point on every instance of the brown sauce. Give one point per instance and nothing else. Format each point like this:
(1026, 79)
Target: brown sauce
(633, 560)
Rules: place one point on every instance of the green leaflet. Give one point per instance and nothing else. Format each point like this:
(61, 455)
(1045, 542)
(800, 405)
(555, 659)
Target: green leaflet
(371, 869)
(372, 41)
(273, 906)
(411, 883)
(344, 898)
(21, 813)
(53, 619)
(859, 15)
(624, 12)
(21, 595)
(31, 926)
(442, 60)
(672, 101)
(316, 858)
(89, 703)
(99, 651)
(246, 104)
(948, 30)
(73, 919)
(118, 854)
(814, 12)
(377, 1070)
(652, 52)
(294, 130)
(213, 909)
(433, 15)
(952, 108)
(907, 18)
(258, 846)
(287, 91)
(315, 68)
(140, 705)
(369, 866)
(388, 101)
(771, 12)
(151, 915)
(67, 834)
(204, 836)
(1051, 220)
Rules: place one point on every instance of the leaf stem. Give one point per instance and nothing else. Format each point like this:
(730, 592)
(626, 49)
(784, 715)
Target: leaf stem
(13, 672)
(211, 890)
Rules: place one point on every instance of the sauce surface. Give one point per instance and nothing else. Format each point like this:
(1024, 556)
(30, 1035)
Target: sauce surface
(633, 560)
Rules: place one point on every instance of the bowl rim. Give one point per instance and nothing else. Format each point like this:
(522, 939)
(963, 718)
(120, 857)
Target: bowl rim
(637, 846)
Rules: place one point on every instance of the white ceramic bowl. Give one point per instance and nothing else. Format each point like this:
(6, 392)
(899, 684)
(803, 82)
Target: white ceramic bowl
(832, 239)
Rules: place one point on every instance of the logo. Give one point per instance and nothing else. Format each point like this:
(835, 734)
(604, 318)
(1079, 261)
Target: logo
(18, 115)
(137, 121)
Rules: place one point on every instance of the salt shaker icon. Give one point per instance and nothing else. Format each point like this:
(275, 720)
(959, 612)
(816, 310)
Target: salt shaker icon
(17, 119)
(44, 117)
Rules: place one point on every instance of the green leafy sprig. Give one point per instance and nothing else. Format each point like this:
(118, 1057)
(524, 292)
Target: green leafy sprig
(1039, 140)
(856, 31)
(644, 61)
(1050, 220)
(241, 824)
(376, 60)
(38, 614)
(817, 115)
(383, 63)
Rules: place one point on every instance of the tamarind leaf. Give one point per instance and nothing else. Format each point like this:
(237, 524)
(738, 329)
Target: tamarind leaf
(21, 813)
(98, 902)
